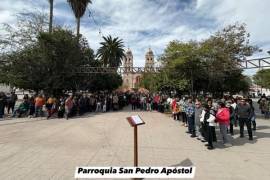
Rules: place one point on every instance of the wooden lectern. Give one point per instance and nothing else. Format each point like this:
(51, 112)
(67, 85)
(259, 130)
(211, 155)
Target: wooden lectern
(135, 121)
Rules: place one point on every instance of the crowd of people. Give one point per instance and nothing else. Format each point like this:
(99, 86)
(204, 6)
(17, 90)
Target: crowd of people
(264, 105)
(201, 116)
(63, 106)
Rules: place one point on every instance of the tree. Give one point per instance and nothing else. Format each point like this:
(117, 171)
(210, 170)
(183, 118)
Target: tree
(210, 65)
(111, 52)
(49, 64)
(28, 26)
(51, 15)
(34, 59)
(183, 66)
(221, 54)
(78, 7)
(262, 78)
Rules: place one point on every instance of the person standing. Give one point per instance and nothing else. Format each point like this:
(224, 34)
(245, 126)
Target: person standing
(2, 104)
(198, 112)
(133, 102)
(253, 114)
(156, 101)
(39, 102)
(183, 106)
(243, 112)
(92, 103)
(61, 108)
(213, 111)
(115, 102)
(262, 98)
(11, 103)
(69, 104)
(31, 106)
(209, 120)
(176, 112)
(232, 116)
(223, 118)
(264, 106)
(141, 102)
(148, 103)
(190, 111)
(51, 106)
(234, 103)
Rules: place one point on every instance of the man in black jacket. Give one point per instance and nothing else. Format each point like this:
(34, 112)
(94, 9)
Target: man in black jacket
(243, 112)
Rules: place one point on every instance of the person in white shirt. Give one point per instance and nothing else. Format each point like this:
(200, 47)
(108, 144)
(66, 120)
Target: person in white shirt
(209, 119)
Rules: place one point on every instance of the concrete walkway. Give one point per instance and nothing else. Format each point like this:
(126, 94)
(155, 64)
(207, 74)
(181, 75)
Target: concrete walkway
(51, 149)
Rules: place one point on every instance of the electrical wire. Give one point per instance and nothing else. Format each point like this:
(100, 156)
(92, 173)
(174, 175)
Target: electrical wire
(90, 14)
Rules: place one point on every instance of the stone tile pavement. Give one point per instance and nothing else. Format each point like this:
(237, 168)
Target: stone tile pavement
(51, 149)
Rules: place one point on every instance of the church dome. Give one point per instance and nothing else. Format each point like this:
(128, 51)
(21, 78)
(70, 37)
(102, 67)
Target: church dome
(150, 52)
(129, 52)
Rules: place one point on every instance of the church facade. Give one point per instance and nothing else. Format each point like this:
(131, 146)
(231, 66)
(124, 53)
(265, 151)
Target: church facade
(132, 79)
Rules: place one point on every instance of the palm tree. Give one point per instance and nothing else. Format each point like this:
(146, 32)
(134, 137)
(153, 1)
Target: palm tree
(111, 52)
(78, 7)
(51, 15)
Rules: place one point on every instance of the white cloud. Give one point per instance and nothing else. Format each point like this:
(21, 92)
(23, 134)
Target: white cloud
(152, 23)
(253, 13)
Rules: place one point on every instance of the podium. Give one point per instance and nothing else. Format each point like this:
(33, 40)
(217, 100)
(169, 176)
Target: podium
(134, 122)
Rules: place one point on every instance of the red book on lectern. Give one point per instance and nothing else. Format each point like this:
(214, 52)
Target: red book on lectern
(135, 120)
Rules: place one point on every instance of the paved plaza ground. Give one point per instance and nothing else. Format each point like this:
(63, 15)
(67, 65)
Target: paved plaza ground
(51, 149)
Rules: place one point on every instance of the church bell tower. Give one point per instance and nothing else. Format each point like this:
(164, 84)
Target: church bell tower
(149, 59)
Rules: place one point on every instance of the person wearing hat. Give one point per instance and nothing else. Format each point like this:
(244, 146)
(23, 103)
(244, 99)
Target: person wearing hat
(243, 112)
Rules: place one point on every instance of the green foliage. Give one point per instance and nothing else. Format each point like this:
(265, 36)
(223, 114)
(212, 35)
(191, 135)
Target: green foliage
(262, 78)
(149, 82)
(101, 82)
(50, 65)
(33, 59)
(111, 52)
(78, 7)
(209, 65)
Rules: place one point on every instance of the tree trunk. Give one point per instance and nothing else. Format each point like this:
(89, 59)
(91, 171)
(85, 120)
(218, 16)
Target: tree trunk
(78, 27)
(51, 16)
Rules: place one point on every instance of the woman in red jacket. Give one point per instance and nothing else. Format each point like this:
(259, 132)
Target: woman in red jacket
(223, 118)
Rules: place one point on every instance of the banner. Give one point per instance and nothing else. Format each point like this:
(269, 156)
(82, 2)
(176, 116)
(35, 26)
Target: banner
(135, 172)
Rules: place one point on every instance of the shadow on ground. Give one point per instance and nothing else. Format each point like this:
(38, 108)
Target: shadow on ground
(237, 141)
(8, 119)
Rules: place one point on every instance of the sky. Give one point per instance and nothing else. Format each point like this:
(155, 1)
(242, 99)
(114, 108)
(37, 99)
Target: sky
(154, 23)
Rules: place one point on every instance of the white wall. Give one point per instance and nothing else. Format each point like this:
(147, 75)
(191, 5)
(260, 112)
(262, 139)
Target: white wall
(4, 88)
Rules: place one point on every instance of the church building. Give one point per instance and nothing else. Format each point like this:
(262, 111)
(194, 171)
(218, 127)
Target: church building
(132, 79)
